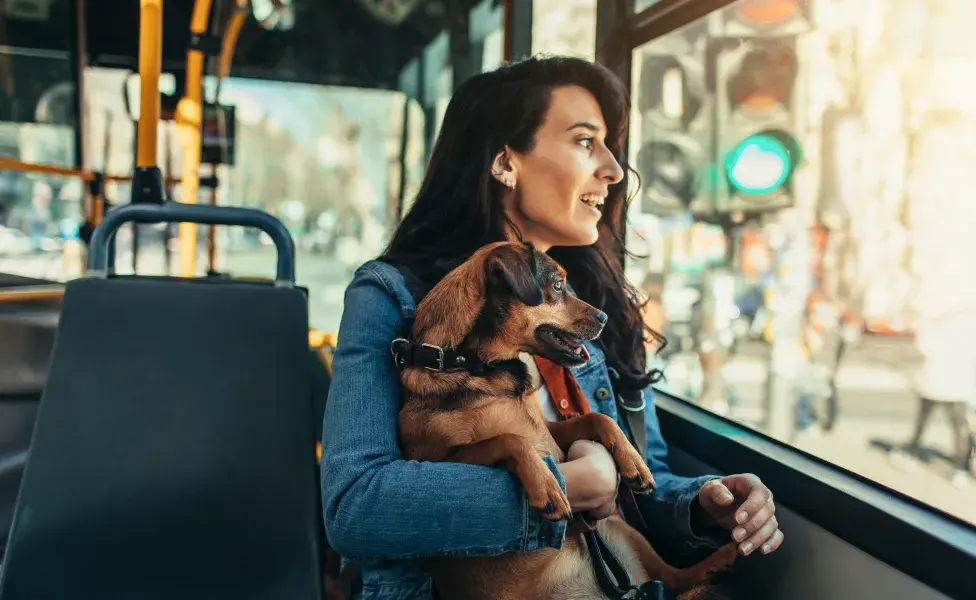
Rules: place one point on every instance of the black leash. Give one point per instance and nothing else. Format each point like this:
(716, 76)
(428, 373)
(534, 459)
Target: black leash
(611, 575)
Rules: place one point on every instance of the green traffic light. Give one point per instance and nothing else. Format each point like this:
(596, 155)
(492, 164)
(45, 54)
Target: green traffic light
(761, 162)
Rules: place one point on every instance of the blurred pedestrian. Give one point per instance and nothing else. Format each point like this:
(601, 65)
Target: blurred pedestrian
(947, 379)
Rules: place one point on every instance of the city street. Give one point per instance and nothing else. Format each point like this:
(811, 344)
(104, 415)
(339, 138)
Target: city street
(877, 412)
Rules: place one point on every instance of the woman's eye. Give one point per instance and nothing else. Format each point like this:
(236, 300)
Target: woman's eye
(586, 143)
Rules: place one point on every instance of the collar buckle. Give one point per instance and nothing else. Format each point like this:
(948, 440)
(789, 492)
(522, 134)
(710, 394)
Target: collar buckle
(440, 356)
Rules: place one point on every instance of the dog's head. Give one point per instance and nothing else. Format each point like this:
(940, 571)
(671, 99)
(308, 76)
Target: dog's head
(506, 299)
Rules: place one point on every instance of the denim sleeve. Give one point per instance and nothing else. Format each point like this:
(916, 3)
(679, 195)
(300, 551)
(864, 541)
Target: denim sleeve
(378, 504)
(667, 512)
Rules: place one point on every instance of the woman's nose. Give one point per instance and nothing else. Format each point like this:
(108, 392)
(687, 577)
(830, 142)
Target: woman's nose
(611, 171)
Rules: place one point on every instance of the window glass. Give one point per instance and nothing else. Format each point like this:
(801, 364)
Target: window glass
(566, 27)
(640, 5)
(39, 213)
(486, 35)
(806, 232)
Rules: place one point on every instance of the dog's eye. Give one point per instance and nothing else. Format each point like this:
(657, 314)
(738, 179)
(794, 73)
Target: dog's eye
(558, 286)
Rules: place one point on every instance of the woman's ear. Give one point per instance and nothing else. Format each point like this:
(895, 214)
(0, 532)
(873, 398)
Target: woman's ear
(505, 168)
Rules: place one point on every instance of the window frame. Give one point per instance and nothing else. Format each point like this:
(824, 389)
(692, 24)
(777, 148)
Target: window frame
(78, 57)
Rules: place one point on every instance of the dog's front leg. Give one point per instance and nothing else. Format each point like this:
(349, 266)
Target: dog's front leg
(518, 455)
(603, 429)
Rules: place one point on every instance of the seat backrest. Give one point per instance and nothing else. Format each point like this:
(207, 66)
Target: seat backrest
(173, 454)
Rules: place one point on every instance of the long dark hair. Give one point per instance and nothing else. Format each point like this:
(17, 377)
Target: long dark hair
(458, 209)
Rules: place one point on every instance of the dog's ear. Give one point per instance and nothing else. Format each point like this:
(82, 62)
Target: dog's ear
(513, 266)
(448, 313)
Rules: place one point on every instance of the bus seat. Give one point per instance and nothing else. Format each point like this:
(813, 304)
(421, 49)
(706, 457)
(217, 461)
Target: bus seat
(173, 450)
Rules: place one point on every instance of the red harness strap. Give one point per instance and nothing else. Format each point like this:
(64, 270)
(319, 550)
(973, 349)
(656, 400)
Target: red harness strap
(563, 389)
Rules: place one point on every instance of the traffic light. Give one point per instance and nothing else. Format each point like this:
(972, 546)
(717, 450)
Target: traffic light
(761, 163)
(755, 66)
(675, 110)
(749, 18)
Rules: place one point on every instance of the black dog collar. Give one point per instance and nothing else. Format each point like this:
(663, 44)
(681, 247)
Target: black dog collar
(434, 358)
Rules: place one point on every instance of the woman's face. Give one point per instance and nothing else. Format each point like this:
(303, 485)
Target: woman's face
(561, 183)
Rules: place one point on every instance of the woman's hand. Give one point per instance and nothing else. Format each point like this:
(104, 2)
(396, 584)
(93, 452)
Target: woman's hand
(744, 505)
(591, 479)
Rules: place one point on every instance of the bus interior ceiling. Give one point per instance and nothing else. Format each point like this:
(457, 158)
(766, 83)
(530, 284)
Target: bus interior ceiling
(329, 42)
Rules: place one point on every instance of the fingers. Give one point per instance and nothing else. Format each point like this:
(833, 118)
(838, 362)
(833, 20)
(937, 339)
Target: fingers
(742, 483)
(757, 495)
(761, 537)
(757, 526)
(757, 520)
(774, 542)
(758, 530)
(715, 491)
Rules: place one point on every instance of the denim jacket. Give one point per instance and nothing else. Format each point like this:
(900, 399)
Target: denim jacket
(388, 512)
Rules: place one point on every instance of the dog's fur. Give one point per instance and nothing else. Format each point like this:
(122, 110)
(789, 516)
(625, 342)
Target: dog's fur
(497, 304)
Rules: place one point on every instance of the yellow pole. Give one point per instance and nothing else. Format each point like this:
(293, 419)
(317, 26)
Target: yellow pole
(231, 34)
(150, 65)
(10, 164)
(189, 115)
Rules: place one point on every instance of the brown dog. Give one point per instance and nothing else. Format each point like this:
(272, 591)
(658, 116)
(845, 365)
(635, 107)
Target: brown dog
(506, 299)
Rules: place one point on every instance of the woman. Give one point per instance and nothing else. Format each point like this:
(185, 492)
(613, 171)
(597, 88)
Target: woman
(531, 151)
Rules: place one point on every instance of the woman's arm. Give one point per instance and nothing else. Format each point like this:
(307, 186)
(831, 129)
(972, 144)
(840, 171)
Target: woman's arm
(672, 513)
(377, 503)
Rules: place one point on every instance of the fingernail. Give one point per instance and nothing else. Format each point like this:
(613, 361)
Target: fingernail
(746, 549)
(725, 497)
(765, 549)
(741, 517)
(738, 534)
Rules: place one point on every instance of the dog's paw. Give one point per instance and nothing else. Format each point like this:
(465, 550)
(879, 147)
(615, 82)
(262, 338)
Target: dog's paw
(548, 498)
(719, 561)
(630, 465)
(633, 469)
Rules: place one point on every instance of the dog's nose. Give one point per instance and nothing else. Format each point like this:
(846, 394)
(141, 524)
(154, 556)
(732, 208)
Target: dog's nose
(601, 317)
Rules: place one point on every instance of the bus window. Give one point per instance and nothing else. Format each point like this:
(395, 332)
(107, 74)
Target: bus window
(337, 164)
(640, 5)
(39, 213)
(564, 27)
(805, 231)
